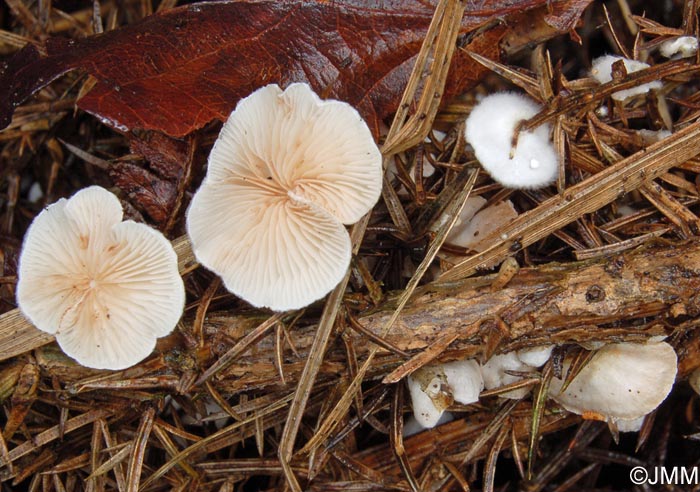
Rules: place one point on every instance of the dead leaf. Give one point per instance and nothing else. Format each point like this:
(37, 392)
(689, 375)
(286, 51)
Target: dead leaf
(179, 69)
(152, 194)
(165, 155)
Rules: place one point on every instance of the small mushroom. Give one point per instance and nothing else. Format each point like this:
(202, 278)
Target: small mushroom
(602, 71)
(464, 379)
(631, 425)
(496, 374)
(621, 382)
(430, 395)
(490, 129)
(106, 288)
(434, 388)
(287, 171)
(535, 356)
(680, 47)
(471, 232)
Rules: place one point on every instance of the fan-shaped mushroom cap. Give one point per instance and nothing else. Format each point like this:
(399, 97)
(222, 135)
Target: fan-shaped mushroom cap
(106, 288)
(287, 171)
(433, 388)
(621, 381)
(490, 129)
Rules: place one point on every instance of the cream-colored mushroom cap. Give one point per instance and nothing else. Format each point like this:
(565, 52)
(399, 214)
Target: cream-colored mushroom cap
(287, 171)
(621, 381)
(106, 288)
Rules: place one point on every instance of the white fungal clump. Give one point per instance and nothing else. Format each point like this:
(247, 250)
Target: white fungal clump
(106, 288)
(603, 68)
(434, 388)
(496, 370)
(474, 226)
(490, 129)
(286, 174)
(680, 47)
(621, 383)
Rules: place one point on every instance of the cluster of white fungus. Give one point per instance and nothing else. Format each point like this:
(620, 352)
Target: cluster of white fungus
(285, 176)
(490, 130)
(621, 384)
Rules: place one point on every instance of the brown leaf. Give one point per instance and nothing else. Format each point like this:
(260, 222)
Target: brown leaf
(153, 195)
(165, 155)
(177, 70)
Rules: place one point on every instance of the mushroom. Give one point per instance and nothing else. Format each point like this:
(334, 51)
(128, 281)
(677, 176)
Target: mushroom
(631, 425)
(471, 231)
(434, 388)
(490, 129)
(430, 395)
(603, 68)
(497, 369)
(286, 173)
(622, 382)
(464, 379)
(535, 356)
(680, 47)
(105, 288)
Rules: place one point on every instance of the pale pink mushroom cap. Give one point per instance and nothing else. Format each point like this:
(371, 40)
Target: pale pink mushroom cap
(287, 171)
(106, 288)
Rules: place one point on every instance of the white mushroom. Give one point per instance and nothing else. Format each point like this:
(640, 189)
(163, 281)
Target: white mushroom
(106, 288)
(535, 356)
(496, 375)
(652, 136)
(287, 171)
(430, 395)
(433, 388)
(471, 231)
(464, 379)
(630, 425)
(490, 129)
(622, 381)
(680, 47)
(602, 72)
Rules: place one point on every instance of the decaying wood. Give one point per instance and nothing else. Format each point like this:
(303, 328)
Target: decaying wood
(602, 299)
